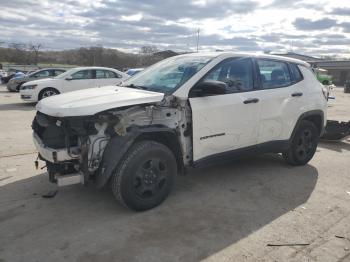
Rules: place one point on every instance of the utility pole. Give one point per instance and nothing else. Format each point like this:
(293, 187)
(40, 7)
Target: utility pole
(197, 39)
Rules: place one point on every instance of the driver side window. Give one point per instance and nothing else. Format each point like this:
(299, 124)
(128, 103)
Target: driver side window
(236, 73)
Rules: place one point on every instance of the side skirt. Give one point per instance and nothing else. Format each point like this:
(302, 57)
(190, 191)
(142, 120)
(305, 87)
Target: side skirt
(268, 147)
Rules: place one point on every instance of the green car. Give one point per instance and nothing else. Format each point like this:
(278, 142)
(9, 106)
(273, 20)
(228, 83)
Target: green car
(323, 77)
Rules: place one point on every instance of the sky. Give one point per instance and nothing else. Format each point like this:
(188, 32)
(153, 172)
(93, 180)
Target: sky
(310, 27)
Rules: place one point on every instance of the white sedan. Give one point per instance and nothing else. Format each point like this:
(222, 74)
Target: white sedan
(72, 80)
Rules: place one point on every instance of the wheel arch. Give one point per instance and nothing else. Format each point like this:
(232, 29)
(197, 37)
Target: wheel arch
(314, 116)
(167, 137)
(45, 88)
(118, 146)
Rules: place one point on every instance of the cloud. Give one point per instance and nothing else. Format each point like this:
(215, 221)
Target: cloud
(284, 3)
(321, 24)
(332, 42)
(174, 10)
(308, 26)
(345, 26)
(135, 17)
(342, 11)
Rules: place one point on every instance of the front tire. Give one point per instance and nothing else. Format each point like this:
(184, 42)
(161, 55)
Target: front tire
(145, 176)
(304, 144)
(47, 92)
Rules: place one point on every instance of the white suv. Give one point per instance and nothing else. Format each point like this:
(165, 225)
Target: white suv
(177, 114)
(72, 80)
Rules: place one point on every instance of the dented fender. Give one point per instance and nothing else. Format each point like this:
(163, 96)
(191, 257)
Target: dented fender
(118, 146)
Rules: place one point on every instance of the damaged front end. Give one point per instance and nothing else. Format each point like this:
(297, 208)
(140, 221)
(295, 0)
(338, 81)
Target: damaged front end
(65, 143)
(88, 148)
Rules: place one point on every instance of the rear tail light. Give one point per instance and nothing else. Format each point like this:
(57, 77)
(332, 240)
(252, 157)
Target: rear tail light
(325, 92)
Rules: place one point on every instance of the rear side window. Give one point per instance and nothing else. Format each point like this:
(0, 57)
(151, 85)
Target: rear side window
(106, 74)
(111, 74)
(296, 74)
(274, 74)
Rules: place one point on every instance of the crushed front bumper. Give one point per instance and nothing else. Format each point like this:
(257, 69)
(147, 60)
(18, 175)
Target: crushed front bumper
(57, 156)
(50, 154)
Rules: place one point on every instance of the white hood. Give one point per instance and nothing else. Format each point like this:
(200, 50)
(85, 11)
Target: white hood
(40, 81)
(94, 100)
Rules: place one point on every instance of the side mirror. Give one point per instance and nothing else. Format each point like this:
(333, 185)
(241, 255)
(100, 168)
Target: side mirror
(69, 78)
(208, 88)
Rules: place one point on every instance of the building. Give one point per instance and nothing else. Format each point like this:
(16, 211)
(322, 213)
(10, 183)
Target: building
(338, 69)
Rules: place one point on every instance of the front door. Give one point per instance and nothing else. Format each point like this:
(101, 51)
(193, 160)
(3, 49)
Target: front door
(226, 122)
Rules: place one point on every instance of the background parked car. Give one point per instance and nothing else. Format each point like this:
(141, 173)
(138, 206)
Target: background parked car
(10, 76)
(3, 73)
(15, 83)
(323, 77)
(72, 80)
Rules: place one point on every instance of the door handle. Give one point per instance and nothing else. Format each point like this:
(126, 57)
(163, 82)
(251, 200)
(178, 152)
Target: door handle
(251, 100)
(297, 94)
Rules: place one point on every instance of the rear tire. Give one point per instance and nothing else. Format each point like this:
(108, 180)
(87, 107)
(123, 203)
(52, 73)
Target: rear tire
(47, 92)
(145, 176)
(304, 144)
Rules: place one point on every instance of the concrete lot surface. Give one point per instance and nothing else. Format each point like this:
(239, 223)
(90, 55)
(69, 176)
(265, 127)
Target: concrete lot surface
(229, 212)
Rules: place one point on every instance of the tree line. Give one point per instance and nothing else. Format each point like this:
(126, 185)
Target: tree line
(32, 54)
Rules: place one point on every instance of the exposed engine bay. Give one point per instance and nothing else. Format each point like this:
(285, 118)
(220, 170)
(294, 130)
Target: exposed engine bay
(93, 145)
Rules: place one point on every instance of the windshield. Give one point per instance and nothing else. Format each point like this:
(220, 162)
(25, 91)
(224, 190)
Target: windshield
(168, 75)
(30, 73)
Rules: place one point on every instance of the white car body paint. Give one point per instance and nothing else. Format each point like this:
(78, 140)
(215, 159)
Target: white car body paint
(273, 118)
(222, 118)
(217, 123)
(95, 100)
(62, 85)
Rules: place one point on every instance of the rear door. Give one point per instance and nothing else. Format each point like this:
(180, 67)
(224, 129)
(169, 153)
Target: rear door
(281, 99)
(107, 77)
(222, 123)
(82, 79)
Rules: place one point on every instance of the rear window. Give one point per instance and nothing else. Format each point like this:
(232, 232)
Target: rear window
(296, 74)
(274, 74)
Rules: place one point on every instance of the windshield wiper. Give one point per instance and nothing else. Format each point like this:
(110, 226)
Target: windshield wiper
(136, 86)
